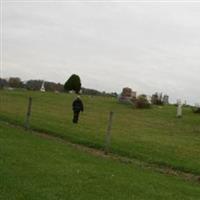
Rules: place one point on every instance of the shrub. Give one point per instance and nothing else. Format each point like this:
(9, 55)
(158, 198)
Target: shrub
(142, 102)
(196, 109)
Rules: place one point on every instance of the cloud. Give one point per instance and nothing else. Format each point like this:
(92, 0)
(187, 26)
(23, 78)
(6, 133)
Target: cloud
(149, 48)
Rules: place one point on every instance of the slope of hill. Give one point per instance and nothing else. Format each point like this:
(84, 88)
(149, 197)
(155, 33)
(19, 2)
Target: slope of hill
(153, 135)
(36, 168)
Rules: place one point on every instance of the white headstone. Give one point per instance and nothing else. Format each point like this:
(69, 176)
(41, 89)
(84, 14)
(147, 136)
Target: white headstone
(42, 89)
(179, 108)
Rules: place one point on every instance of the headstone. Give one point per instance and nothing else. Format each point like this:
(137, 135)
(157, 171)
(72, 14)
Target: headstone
(127, 92)
(157, 98)
(179, 108)
(42, 89)
(127, 95)
(149, 99)
(166, 99)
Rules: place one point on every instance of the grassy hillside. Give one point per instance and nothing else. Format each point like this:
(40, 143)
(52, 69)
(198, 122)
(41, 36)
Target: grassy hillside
(36, 168)
(153, 135)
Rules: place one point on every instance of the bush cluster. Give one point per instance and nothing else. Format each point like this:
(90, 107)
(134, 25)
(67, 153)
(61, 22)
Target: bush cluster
(196, 109)
(141, 102)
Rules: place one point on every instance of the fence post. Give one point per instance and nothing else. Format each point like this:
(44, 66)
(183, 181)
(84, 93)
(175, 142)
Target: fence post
(108, 133)
(28, 114)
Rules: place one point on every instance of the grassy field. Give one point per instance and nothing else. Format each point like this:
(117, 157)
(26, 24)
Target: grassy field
(36, 168)
(154, 135)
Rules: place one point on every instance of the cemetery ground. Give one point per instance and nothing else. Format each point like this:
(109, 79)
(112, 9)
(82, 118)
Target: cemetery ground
(34, 167)
(152, 136)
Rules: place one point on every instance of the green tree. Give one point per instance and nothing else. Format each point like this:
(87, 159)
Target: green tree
(73, 83)
(15, 82)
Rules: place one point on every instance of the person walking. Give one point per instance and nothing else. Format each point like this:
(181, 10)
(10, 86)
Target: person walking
(77, 107)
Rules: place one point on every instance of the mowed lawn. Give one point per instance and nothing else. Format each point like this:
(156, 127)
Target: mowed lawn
(151, 135)
(33, 168)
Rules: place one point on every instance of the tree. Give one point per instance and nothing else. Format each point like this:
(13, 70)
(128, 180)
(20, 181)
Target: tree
(15, 82)
(34, 84)
(142, 102)
(196, 108)
(73, 83)
(3, 83)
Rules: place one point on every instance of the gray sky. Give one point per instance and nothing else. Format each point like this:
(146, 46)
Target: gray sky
(148, 46)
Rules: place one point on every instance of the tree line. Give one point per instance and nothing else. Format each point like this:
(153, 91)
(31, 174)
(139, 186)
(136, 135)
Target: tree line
(35, 85)
(16, 82)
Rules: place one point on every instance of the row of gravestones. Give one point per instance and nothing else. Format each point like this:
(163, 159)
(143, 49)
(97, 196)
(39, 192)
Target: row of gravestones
(127, 95)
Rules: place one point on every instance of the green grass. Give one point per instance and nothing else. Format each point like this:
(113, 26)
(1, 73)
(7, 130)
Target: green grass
(153, 135)
(36, 168)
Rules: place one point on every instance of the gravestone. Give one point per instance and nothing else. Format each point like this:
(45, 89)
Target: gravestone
(157, 99)
(127, 95)
(42, 89)
(149, 98)
(166, 99)
(179, 108)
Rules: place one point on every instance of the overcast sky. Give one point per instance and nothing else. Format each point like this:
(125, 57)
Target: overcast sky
(146, 46)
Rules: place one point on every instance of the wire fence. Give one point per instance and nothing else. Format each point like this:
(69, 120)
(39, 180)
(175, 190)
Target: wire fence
(153, 135)
(52, 113)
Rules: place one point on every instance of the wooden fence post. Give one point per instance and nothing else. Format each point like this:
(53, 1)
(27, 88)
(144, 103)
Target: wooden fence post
(108, 133)
(28, 114)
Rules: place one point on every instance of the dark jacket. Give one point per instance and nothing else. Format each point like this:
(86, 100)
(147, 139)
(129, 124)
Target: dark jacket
(77, 105)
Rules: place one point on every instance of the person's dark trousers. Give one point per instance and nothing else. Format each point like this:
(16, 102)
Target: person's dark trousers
(76, 115)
